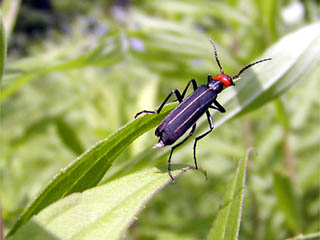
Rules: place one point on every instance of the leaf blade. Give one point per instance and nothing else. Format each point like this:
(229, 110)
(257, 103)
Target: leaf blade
(87, 170)
(227, 223)
(104, 211)
(3, 47)
(287, 201)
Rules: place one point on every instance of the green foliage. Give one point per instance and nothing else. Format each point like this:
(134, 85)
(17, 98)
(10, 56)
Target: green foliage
(106, 210)
(3, 47)
(89, 168)
(287, 201)
(64, 91)
(227, 223)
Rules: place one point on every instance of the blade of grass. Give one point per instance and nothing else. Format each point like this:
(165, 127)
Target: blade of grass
(3, 48)
(306, 237)
(103, 212)
(10, 9)
(227, 223)
(287, 201)
(1, 225)
(87, 170)
(68, 136)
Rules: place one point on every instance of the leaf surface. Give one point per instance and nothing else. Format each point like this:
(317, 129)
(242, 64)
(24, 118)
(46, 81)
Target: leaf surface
(103, 212)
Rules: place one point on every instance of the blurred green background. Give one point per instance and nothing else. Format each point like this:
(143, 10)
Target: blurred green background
(76, 71)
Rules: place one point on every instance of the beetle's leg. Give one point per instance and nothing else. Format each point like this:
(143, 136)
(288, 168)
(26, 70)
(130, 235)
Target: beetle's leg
(194, 85)
(177, 145)
(178, 95)
(201, 136)
(179, 98)
(218, 106)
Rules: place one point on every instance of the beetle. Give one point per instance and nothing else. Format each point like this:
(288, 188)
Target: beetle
(189, 110)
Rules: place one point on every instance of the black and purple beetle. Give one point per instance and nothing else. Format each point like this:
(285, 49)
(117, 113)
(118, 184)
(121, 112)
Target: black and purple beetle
(189, 110)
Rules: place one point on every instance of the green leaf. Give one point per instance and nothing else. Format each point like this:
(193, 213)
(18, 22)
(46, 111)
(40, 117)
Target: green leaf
(292, 56)
(281, 114)
(103, 212)
(227, 223)
(287, 201)
(1, 224)
(68, 136)
(306, 237)
(87, 170)
(3, 47)
(10, 9)
(96, 57)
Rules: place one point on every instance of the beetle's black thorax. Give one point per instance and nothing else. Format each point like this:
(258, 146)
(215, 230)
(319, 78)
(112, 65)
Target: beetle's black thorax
(216, 86)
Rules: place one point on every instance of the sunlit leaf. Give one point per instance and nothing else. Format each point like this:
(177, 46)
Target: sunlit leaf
(87, 170)
(103, 212)
(10, 9)
(292, 56)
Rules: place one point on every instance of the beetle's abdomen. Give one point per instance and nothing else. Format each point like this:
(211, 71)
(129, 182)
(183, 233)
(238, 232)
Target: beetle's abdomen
(185, 115)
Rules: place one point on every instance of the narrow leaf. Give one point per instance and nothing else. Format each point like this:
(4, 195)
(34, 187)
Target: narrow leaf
(87, 170)
(3, 47)
(306, 237)
(10, 10)
(1, 225)
(68, 136)
(103, 212)
(227, 223)
(287, 201)
(95, 57)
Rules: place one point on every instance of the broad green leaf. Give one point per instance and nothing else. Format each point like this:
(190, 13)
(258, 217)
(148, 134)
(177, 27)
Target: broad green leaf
(3, 47)
(287, 201)
(87, 170)
(306, 237)
(227, 223)
(292, 56)
(103, 212)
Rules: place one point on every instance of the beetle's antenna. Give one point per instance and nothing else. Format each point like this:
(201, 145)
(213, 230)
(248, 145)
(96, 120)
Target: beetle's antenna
(248, 66)
(216, 56)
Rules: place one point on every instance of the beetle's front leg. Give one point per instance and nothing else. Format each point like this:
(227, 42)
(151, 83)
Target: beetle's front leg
(179, 98)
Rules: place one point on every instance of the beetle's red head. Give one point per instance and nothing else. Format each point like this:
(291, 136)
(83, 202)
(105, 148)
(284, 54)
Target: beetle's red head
(224, 79)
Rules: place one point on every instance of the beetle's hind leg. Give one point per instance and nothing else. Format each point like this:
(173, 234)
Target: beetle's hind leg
(177, 145)
(202, 136)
